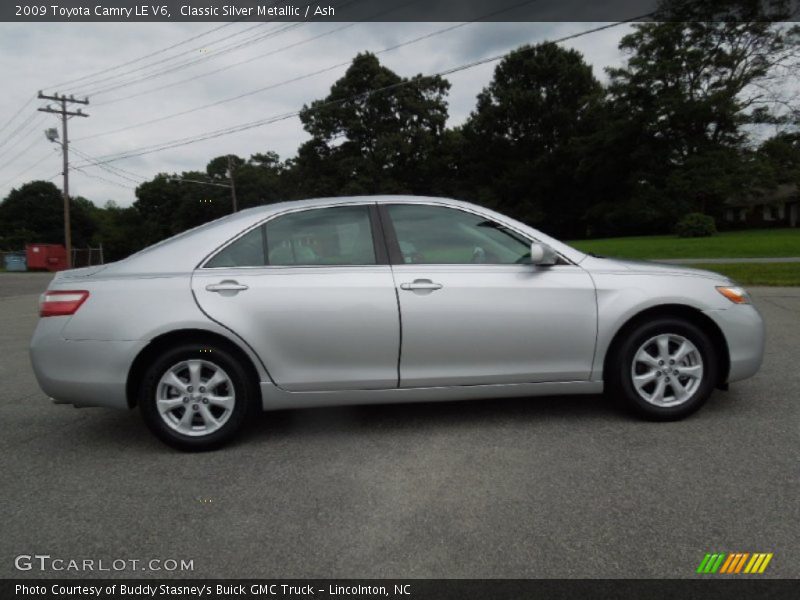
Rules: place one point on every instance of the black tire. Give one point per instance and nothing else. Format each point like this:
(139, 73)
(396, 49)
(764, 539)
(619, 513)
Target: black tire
(619, 369)
(245, 396)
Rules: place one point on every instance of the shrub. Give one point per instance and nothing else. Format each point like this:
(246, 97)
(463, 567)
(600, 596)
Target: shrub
(696, 225)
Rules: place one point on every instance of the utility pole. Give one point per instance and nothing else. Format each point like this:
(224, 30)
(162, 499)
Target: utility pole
(233, 183)
(65, 152)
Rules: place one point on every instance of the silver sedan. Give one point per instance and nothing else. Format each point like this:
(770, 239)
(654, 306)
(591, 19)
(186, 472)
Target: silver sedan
(367, 300)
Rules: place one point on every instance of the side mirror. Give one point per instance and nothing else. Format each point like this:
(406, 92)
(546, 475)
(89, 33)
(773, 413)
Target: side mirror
(543, 255)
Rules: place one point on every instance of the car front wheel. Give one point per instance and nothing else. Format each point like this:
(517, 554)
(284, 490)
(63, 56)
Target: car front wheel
(664, 369)
(195, 397)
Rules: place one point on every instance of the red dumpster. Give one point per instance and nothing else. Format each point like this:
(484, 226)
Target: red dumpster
(52, 257)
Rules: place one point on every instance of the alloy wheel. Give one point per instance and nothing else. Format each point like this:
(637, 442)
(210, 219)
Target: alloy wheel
(195, 397)
(667, 370)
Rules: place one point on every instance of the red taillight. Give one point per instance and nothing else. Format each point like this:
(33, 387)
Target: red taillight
(59, 303)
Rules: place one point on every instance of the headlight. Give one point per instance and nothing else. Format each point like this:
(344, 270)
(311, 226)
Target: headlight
(734, 293)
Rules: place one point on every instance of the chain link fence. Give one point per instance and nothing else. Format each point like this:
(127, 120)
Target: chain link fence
(87, 257)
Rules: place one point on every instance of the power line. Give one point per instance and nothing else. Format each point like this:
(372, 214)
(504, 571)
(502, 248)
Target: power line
(312, 74)
(227, 67)
(93, 159)
(249, 60)
(16, 114)
(27, 121)
(207, 56)
(127, 73)
(185, 180)
(33, 123)
(101, 178)
(30, 168)
(276, 85)
(140, 179)
(21, 153)
(100, 86)
(18, 129)
(230, 186)
(121, 173)
(274, 119)
(144, 57)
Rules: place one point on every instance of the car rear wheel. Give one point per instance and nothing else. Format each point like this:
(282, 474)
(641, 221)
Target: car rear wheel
(664, 369)
(195, 397)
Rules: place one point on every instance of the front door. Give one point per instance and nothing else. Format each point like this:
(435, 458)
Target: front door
(475, 311)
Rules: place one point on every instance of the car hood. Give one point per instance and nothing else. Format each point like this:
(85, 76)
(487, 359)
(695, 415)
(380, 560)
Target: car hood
(602, 264)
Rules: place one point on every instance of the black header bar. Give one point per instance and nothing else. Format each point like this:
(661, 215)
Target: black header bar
(392, 10)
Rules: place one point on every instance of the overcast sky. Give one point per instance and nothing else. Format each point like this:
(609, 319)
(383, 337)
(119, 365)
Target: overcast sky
(41, 56)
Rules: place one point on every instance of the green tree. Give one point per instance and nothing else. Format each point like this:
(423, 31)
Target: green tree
(259, 180)
(679, 106)
(197, 203)
(34, 212)
(781, 156)
(522, 144)
(375, 132)
(121, 231)
(157, 203)
(172, 203)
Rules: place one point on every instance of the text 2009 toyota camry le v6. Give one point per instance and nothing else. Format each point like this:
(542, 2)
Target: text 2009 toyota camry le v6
(381, 299)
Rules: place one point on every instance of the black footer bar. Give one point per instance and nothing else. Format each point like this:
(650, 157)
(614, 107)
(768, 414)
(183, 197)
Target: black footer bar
(398, 589)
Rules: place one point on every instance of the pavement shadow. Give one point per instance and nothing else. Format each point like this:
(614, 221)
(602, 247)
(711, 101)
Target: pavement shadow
(125, 431)
(393, 418)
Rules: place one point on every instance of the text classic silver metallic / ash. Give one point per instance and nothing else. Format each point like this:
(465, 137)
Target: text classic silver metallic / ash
(381, 299)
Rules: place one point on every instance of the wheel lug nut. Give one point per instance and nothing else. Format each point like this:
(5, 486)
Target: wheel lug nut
(658, 373)
(185, 400)
(202, 389)
(672, 362)
(189, 388)
(195, 406)
(205, 400)
(667, 380)
(661, 362)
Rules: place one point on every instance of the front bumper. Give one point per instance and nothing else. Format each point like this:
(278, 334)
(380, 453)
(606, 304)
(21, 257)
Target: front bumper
(744, 333)
(81, 372)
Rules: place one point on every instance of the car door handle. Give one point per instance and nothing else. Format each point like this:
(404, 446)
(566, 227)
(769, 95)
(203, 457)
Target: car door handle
(226, 286)
(421, 284)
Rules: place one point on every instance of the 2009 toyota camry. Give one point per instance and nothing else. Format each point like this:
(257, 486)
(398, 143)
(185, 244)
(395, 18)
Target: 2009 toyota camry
(381, 299)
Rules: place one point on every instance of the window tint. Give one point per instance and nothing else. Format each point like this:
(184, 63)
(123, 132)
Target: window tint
(440, 235)
(247, 251)
(340, 235)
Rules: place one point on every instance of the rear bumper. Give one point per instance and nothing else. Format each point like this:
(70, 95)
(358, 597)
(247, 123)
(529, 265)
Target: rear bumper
(744, 333)
(84, 372)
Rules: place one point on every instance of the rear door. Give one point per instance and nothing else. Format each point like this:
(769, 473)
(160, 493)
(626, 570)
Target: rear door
(473, 308)
(311, 291)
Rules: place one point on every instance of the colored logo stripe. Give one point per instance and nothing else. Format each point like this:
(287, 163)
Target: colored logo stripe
(711, 563)
(735, 562)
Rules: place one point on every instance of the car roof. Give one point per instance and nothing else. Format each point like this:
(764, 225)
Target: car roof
(184, 251)
(274, 208)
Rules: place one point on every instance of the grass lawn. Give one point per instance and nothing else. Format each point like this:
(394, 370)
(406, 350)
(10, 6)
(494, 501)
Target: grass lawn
(730, 244)
(773, 274)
